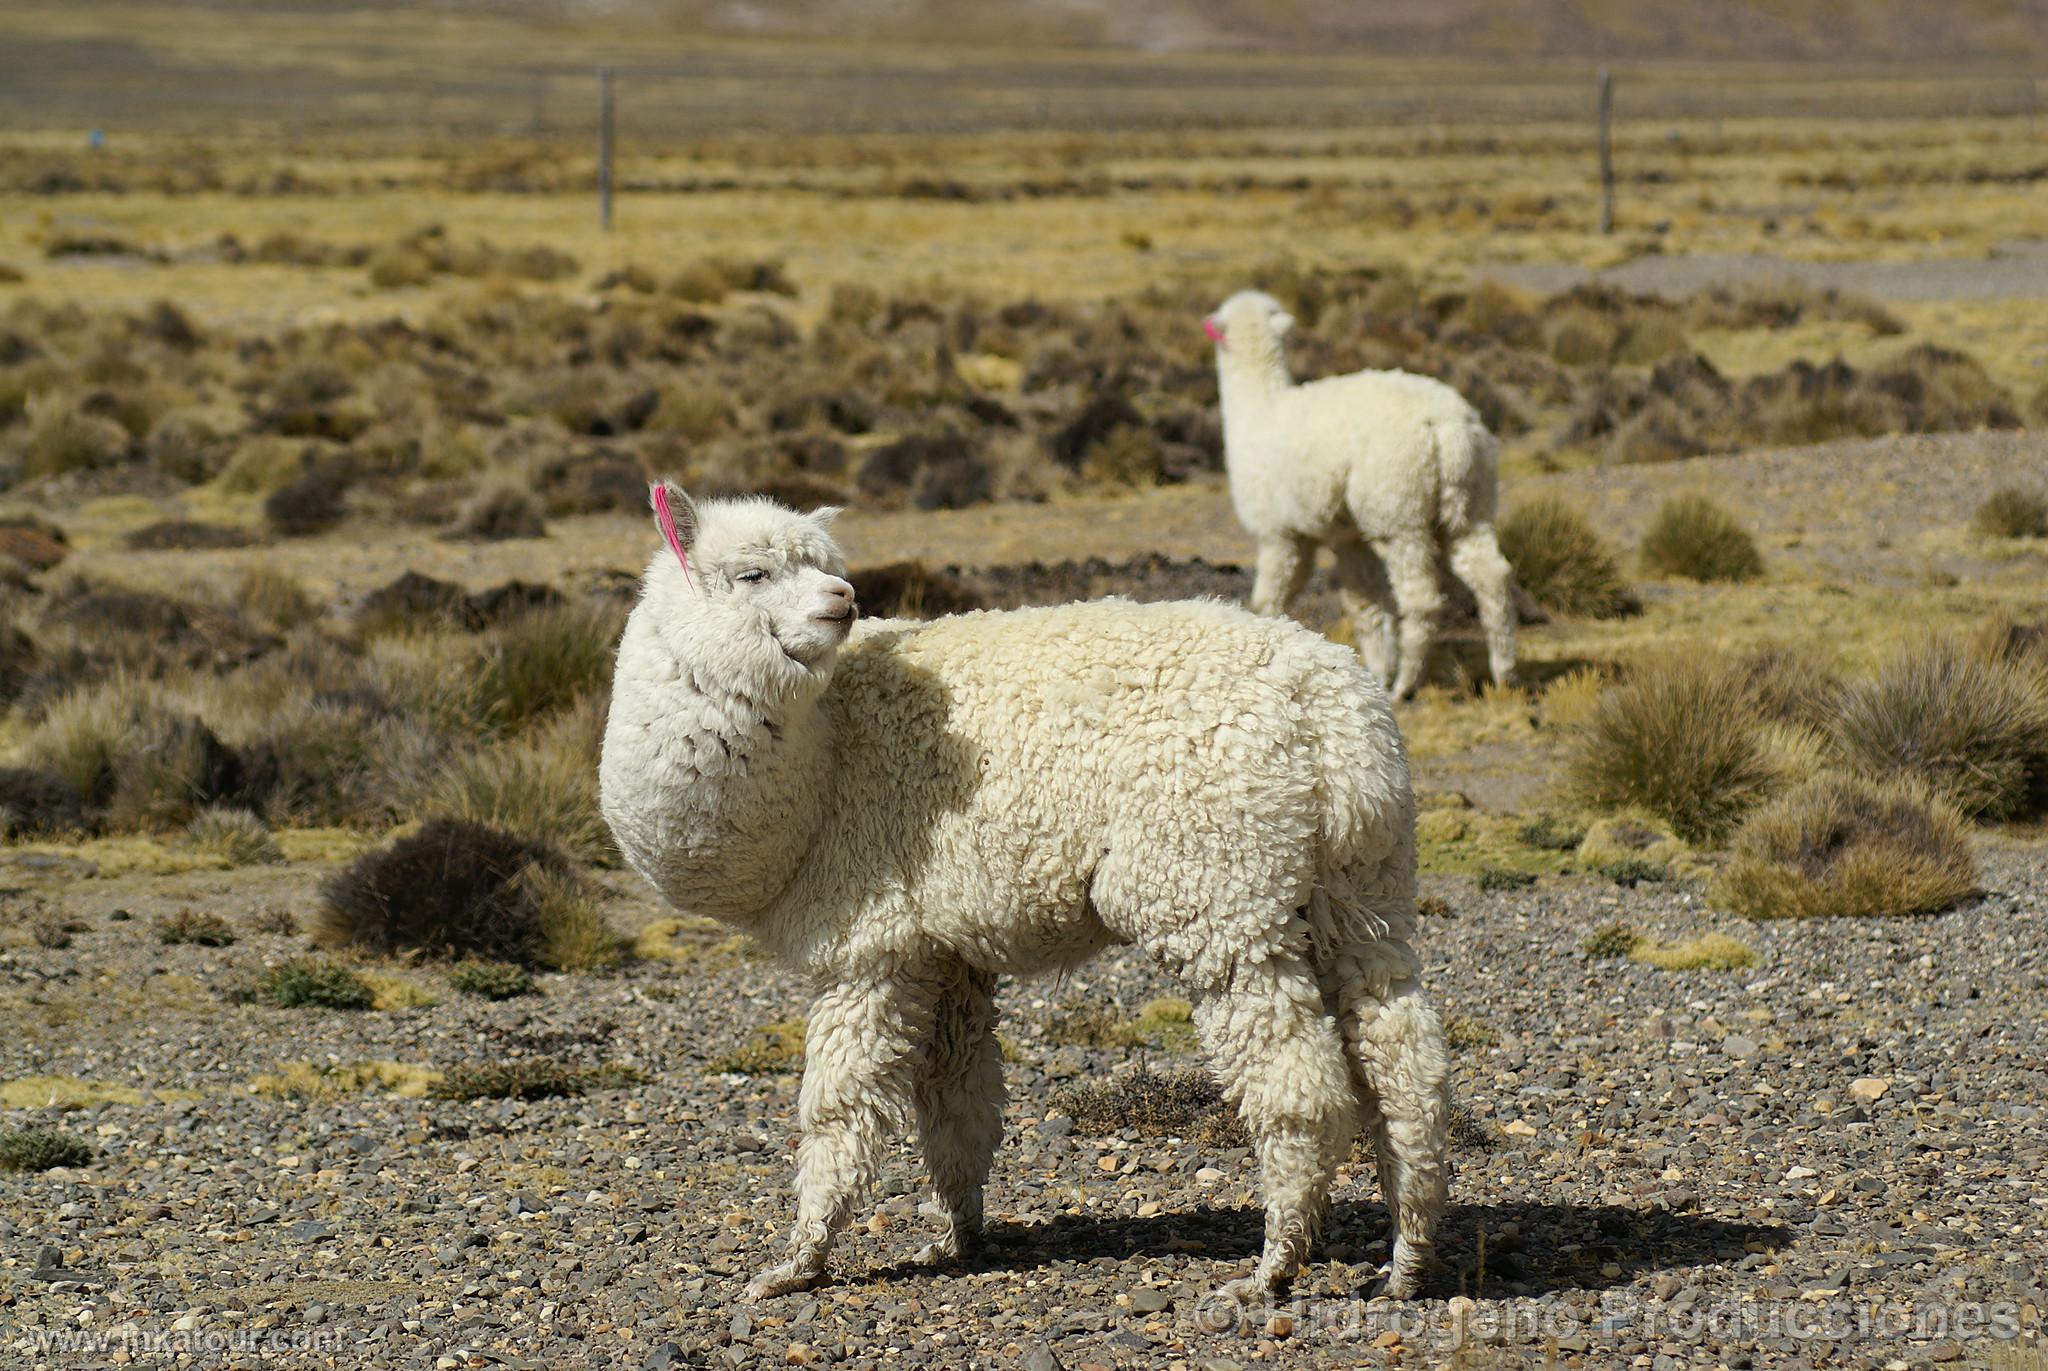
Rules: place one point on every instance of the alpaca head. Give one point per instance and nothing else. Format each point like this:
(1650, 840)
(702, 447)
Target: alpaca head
(1250, 324)
(750, 589)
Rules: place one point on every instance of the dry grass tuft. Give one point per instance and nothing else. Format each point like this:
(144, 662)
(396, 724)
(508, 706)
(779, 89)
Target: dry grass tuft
(1693, 537)
(1972, 727)
(235, 836)
(41, 1149)
(2012, 512)
(1708, 952)
(770, 1050)
(1562, 562)
(1839, 845)
(1680, 739)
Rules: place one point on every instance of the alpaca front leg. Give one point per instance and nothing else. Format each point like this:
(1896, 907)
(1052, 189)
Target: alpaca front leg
(960, 1108)
(1476, 560)
(1283, 568)
(860, 1059)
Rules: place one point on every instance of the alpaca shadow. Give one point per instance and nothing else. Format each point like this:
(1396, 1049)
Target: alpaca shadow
(1530, 1249)
(1457, 661)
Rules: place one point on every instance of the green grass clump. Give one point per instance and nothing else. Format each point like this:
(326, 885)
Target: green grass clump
(493, 980)
(41, 1149)
(770, 1050)
(313, 983)
(1840, 845)
(1693, 537)
(1971, 726)
(2012, 512)
(1634, 871)
(1709, 952)
(1679, 738)
(235, 836)
(535, 1078)
(1563, 564)
(1498, 878)
(1549, 833)
(190, 926)
(1610, 941)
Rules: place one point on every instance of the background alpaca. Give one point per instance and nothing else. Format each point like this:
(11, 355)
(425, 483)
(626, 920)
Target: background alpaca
(1388, 469)
(904, 811)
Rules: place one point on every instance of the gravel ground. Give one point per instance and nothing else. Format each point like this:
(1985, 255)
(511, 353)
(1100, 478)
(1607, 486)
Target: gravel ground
(1835, 1158)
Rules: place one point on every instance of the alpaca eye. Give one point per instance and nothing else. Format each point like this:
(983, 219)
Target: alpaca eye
(752, 578)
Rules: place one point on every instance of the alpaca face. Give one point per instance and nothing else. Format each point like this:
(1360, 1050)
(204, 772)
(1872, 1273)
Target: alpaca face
(1249, 319)
(750, 570)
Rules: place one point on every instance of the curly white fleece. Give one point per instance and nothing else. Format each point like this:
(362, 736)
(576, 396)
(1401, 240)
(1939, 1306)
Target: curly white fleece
(1007, 793)
(1388, 470)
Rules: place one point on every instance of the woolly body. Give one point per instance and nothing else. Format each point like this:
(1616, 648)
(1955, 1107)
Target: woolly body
(1389, 470)
(931, 805)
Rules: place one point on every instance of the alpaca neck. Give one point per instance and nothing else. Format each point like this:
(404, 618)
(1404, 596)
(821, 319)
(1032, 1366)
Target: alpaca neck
(1255, 372)
(715, 793)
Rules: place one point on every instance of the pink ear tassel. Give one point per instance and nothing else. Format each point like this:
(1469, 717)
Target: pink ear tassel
(667, 521)
(1215, 333)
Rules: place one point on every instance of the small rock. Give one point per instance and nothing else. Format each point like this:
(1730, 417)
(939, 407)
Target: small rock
(667, 1357)
(1944, 1351)
(1040, 1358)
(1739, 1045)
(1149, 1301)
(1869, 1089)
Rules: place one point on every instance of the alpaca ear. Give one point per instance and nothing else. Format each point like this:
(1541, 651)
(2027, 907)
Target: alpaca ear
(1283, 324)
(675, 514)
(823, 516)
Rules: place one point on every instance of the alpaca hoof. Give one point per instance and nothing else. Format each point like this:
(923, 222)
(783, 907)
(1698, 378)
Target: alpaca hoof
(1247, 1293)
(785, 1279)
(1404, 1271)
(937, 1253)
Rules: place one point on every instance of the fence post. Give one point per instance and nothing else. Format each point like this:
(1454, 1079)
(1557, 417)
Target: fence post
(1606, 87)
(604, 148)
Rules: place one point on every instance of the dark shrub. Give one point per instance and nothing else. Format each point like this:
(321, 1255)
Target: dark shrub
(313, 501)
(188, 535)
(912, 590)
(36, 803)
(501, 511)
(493, 980)
(192, 926)
(1098, 419)
(452, 889)
(534, 1078)
(1185, 1104)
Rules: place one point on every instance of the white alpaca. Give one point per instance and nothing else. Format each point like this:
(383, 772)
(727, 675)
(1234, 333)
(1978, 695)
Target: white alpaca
(1387, 469)
(905, 811)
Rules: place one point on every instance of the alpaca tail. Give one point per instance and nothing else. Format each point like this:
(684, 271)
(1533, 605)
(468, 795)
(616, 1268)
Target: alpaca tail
(1468, 473)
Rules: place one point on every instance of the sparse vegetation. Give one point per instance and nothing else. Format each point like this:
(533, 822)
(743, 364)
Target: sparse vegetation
(1838, 845)
(194, 926)
(1181, 1103)
(1610, 941)
(772, 1049)
(1693, 537)
(535, 1078)
(1679, 738)
(1494, 879)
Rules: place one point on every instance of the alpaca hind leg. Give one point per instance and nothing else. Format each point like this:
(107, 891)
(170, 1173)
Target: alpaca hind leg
(959, 1095)
(860, 1061)
(1282, 1063)
(1476, 560)
(1397, 1048)
(1411, 568)
(1283, 568)
(1369, 600)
